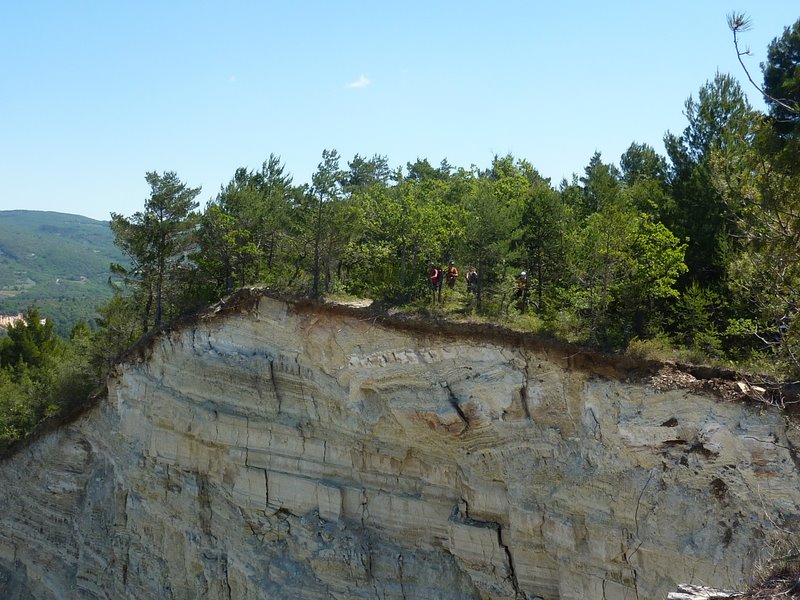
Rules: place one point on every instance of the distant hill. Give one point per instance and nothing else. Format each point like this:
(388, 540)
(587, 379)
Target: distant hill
(59, 262)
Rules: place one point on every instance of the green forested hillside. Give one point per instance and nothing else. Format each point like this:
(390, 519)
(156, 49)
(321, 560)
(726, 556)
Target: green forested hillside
(59, 262)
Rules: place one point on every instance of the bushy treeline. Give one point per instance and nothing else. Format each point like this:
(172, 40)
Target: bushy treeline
(695, 251)
(42, 374)
(596, 253)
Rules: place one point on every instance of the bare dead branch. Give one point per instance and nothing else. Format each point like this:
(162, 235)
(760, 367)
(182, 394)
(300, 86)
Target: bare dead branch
(739, 23)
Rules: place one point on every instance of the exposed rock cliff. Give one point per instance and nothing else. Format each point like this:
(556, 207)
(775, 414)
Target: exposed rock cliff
(275, 450)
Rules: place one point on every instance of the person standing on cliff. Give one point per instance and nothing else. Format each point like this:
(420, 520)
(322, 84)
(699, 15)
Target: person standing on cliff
(472, 280)
(452, 275)
(435, 278)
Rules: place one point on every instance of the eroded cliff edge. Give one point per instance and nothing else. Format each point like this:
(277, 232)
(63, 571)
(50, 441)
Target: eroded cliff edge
(280, 450)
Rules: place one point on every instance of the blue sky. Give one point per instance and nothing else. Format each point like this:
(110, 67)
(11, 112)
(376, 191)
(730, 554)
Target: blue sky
(95, 94)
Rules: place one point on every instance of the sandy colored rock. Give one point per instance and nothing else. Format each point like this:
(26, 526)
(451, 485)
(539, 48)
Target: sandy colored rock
(283, 451)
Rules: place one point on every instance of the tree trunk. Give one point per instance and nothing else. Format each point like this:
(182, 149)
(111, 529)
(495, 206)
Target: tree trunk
(317, 241)
(539, 282)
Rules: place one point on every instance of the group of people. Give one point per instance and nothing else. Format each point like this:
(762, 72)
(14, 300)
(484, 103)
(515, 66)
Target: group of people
(449, 275)
(438, 276)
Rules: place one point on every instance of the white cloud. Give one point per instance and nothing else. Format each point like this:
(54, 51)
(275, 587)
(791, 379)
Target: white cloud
(362, 82)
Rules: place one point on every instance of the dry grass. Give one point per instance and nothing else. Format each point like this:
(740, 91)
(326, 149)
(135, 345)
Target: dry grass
(780, 581)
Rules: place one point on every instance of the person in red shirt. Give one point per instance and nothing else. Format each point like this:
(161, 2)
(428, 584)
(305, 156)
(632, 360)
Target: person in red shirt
(435, 278)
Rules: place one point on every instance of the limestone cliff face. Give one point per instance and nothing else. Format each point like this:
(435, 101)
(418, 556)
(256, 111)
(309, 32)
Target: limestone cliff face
(287, 451)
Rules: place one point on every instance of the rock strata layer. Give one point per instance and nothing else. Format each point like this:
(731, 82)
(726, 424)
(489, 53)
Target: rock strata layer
(277, 450)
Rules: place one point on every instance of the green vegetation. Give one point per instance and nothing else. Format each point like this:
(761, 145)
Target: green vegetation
(41, 374)
(693, 255)
(57, 261)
